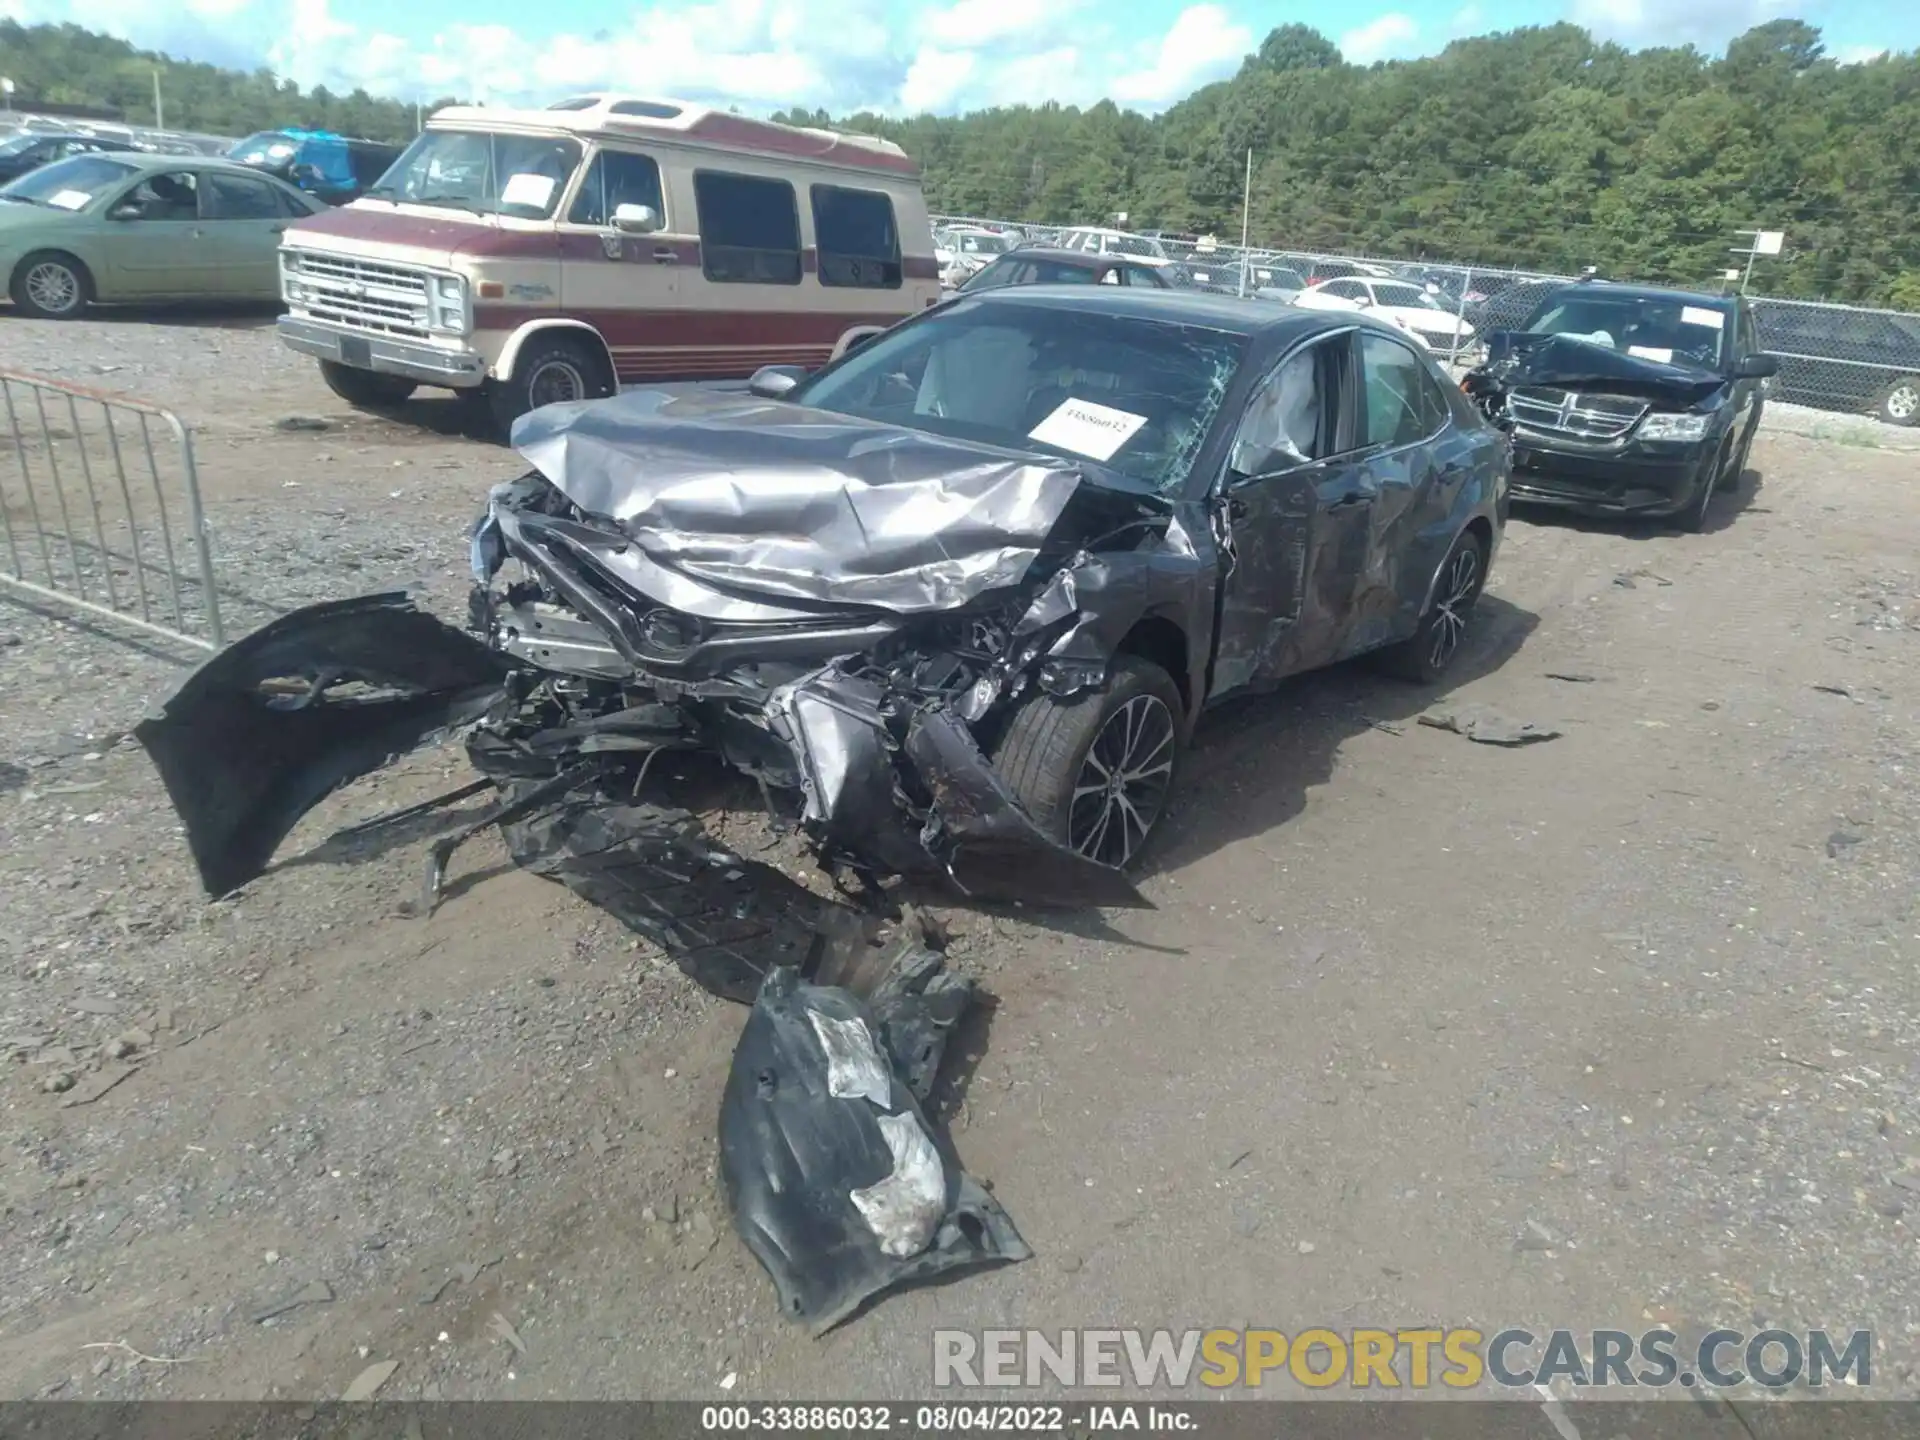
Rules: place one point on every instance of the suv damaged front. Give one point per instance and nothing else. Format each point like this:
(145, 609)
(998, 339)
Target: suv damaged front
(1625, 400)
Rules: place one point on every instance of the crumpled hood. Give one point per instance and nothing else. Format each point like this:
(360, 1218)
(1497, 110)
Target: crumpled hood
(769, 499)
(1517, 358)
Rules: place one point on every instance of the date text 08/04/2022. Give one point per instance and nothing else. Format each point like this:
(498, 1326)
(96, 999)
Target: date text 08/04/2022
(944, 1419)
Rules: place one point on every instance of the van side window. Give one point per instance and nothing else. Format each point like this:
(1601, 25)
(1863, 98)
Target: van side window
(749, 228)
(616, 178)
(858, 242)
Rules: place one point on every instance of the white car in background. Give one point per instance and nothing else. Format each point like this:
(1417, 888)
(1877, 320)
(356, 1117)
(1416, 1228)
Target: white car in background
(1117, 242)
(966, 250)
(1398, 302)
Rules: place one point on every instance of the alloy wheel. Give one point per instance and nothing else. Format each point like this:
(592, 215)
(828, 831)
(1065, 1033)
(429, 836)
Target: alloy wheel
(1123, 782)
(1458, 587)
(53, 287)
(1903, 402)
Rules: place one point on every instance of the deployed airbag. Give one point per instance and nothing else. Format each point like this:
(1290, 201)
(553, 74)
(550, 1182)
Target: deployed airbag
(840, 1196)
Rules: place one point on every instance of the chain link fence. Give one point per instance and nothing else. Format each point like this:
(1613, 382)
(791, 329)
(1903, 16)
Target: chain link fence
(1842, 358)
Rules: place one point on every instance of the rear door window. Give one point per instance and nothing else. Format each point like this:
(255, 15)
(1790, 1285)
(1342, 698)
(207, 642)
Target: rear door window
(1402, 401)
(238, 197)
(749, 229)
(855, 237)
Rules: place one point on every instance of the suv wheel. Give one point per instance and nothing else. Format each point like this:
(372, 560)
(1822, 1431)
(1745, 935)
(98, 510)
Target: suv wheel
(550, 370)
(366, 389)
(1900, 402)
(1693, 519)
(1427, 654)
(1095, 771)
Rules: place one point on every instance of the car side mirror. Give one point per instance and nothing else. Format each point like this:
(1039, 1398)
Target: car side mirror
(1758, 366)
(125, 210)
(636, 219)
(774, 382)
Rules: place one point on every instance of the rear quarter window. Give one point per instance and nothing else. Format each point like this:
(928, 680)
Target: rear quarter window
(856, 238)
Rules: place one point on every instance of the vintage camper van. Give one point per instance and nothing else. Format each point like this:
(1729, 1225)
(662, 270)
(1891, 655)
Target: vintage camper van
(534, 256)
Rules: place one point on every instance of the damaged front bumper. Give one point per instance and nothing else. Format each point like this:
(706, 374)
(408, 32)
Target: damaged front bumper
(1628, 479)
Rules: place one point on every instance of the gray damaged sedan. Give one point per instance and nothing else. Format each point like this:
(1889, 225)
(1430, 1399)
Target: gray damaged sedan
(957, 600)
(954, 602)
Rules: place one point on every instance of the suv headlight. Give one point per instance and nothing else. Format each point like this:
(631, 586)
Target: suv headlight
(1674, 427)
(447, 304)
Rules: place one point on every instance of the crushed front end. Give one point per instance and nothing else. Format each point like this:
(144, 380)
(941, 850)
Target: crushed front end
(1600, 430)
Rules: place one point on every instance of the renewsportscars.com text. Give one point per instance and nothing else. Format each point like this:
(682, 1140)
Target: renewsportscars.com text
(1416, 1359)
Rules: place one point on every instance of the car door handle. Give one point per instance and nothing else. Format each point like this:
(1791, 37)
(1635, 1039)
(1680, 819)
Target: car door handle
(276, 229)
(1352, 500)
(665, 256)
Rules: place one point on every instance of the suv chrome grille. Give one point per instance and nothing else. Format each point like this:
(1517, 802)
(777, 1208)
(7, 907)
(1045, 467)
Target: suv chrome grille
(1571, 413)
(361, 294)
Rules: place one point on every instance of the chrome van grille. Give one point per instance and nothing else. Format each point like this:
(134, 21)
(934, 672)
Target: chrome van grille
(360, 294)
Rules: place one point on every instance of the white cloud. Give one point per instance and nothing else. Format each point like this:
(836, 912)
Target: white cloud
(1705, 23)
(984, 24)
(1858, 54)
(1389, 37)
(935, 79)
(1204, 44)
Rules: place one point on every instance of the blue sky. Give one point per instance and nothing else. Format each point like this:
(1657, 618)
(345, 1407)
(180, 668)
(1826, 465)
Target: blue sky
(893, 55)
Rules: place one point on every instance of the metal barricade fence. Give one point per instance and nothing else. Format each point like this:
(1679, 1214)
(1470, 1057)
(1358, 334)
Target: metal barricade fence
(100, 509)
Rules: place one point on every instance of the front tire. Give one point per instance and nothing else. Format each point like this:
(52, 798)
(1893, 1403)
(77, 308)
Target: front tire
(366, 389)
(549, 372)
(50, 285)
(1899, 403)
(1095, 771)
(1693, 519)
(1429, 652)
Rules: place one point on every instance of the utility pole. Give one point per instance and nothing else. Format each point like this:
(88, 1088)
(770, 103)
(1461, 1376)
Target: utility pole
(1246, 215)
(159, 105)
(418, 123)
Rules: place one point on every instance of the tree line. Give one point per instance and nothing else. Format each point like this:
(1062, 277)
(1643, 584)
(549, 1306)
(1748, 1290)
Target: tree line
(1540, 149)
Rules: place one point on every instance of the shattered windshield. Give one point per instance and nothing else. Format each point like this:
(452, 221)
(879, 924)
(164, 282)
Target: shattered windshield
(1663, 329)
(1138, 395)
(518, 175)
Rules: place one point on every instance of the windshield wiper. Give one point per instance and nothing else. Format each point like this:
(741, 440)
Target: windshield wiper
(457, 202)
(23, 199)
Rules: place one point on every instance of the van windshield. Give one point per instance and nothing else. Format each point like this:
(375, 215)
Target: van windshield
(269, 147)
(486, 174)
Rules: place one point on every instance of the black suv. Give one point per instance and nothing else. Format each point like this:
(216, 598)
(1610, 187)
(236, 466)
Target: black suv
(1627, 400)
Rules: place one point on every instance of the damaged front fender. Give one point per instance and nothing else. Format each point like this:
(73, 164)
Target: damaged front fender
(276, 722)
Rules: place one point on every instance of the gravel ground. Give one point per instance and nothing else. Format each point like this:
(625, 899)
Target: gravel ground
(1599, 1032)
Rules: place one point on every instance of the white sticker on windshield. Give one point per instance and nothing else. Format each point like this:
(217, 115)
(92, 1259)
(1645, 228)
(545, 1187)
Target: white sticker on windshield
(1695, 315)
(527, 189)
(70, 199)
(1651, 352)
(1085, 428)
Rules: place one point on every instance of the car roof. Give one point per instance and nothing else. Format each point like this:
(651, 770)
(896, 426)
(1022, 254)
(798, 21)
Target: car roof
(149, 160)
(1231, 313)
(1648, 292)
(1085, 259)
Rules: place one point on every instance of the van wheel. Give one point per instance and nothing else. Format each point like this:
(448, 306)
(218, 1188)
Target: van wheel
(366, 389)
(549, 372)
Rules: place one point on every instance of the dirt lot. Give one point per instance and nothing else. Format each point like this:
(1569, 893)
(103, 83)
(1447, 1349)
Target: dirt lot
(1602, 1031)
